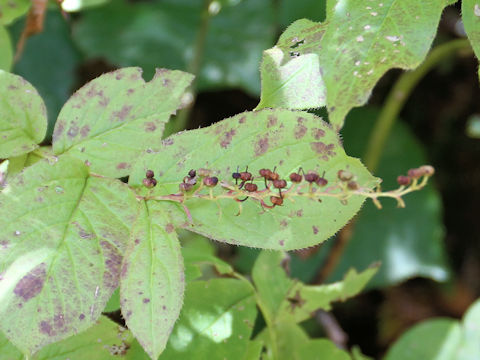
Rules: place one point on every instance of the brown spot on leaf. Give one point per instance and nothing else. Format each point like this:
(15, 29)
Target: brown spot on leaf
(46, 328)
(31, 284)
(84, 130)
(281, 242)
(59, 127)
(322, 149)
(73, 130)
(300, 131)
(227, 138)
(113, 262)
(59, 321)
(300, 213)
(146, 300)
(123, 165)
(283, 223)
(150, 126)
(272, 120)
(168, 142)
(315, 230)
(81, 317)
(169, 228)
(318, 133)
(137, 241)
(242, 120)
(296, 301)
(119, 75)
(123, 113)
(261, 146)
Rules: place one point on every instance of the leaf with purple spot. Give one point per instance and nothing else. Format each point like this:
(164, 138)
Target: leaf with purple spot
(268, 138)
(116, 116)
(23, 116)
(61, 246)
(152, 279)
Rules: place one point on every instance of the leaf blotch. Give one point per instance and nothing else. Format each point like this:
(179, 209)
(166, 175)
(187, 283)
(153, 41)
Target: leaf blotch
(272, 121)
(322, 149)
(300, 131)
(261, 146)
(227, 138)
(146, 300)
(32, 283)
(242, 120)
(84, 131)
(73, 130)
(123, 165)
(59, 128)
(318, 133)
(46, 328)
(315, 230)
(113, 262)
(122, 114)
(150, 126)
(169, 228)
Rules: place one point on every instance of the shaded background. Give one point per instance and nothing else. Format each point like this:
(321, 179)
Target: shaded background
(429, 251)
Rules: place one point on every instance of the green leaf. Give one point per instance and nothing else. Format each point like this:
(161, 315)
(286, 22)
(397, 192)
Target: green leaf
(78, 5)
(435, 339)
(287, 300)
(113, 303)
(10, 10)
(285, 75)
(152, 281)
(356, 45)
(63, 238)
(104, 340)
(18, 163)
(23, 118)
(471, 22)
(109, 121)
(302, 300)
(216, 321)
(408, 242)
(164, 34)
(292, 343)
(469, 347)
(263, 139)
(271, 281)
(6, 56)
(254, 350)
(54, 73)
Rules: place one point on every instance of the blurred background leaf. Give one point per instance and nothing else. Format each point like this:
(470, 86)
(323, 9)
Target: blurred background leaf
(163, 34)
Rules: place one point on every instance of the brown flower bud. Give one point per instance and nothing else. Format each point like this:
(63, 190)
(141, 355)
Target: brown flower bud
(415, 173)
(149, 174)
(277, 201)
(245, 175)
(403, 180)
(279, 184)
(295, 177)
(189, 180)
(353, 185)
(427, 170)
(311, 177)
(149, 182)
(210, 181)
(321, 181)
(192, 173)
(184, 187)
(345, 175)
(251, 187)
(265, 173)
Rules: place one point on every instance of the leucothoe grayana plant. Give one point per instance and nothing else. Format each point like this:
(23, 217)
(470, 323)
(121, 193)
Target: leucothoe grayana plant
(73, 230)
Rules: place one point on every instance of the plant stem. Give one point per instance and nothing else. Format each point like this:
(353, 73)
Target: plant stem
(399, 95)
(180, 122)
(381, 131)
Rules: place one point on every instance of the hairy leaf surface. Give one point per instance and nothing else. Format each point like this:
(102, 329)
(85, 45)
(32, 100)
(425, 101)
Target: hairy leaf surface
(62, 242)
(264, 139)
(110, 120)
(23, 117)
(152, 281)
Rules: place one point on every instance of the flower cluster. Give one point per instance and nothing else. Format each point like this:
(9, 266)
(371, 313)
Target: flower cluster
(200, 184)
